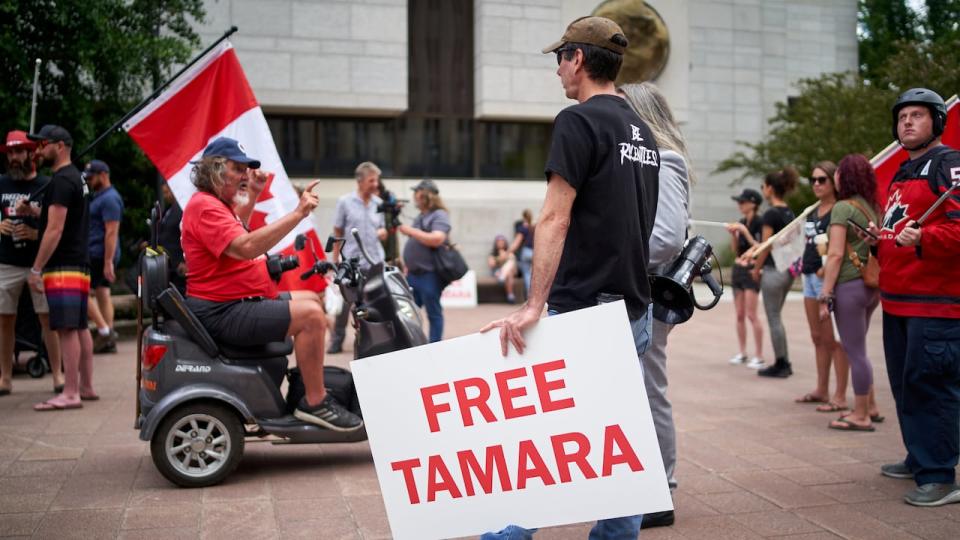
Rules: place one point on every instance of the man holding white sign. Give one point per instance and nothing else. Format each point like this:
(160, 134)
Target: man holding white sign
(592, 238)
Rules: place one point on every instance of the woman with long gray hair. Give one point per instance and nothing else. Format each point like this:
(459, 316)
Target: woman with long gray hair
(666, 242)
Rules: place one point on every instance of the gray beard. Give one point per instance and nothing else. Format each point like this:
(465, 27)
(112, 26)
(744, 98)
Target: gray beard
(241, 199)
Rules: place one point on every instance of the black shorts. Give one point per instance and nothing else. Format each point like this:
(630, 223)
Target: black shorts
(742, 279)
(243, 323)
(96, 274)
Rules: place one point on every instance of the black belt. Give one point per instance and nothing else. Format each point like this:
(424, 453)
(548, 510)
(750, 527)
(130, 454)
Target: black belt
(253, 298)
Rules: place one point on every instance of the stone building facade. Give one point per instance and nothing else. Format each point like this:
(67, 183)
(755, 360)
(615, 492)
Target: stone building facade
(458, 90)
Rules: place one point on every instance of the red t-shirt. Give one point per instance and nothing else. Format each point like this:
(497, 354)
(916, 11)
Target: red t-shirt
(207, 229)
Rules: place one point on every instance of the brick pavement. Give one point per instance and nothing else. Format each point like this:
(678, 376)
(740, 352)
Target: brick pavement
(752, 463)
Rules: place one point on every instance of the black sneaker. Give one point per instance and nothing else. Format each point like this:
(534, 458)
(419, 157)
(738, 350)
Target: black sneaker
(329, 414)
(779, 369)
(335, 348)
(896, 470)
(657, 519)
(104, 344)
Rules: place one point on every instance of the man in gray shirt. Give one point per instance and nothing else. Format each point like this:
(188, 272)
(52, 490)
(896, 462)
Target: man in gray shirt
(357, 210)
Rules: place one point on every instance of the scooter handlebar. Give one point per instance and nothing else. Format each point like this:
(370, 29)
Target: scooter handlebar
(363, 249)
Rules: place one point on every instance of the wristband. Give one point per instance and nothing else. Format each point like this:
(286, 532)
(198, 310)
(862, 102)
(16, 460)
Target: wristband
(35, 272)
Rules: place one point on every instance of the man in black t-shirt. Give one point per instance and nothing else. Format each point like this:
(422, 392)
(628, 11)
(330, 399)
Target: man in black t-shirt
(62, 268)
(18, 247)
(602, 174)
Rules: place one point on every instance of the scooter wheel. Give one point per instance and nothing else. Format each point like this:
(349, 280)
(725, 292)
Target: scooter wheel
(36, 367)
(198, 444)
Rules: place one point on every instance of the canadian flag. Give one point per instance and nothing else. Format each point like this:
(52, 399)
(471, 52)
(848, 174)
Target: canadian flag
(888, 161)
(213, 99)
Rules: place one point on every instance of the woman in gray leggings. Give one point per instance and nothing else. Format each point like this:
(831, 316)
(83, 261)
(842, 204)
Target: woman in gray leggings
(852, 301)
(775, 282)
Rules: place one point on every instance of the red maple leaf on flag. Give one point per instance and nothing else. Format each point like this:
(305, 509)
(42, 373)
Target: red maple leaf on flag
(257, 218)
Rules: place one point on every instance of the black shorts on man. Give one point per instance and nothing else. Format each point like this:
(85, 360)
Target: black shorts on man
(243, 323)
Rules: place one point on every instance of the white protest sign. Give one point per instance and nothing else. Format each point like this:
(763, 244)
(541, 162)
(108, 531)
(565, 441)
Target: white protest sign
(465, 441)
(461, 293)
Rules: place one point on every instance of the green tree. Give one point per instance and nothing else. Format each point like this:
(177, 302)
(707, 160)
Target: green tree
(100, 57)
(932, 65)
(941, 20)
(834, 115)
(883, 23)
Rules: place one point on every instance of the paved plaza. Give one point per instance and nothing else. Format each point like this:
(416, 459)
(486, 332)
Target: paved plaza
(753, 464)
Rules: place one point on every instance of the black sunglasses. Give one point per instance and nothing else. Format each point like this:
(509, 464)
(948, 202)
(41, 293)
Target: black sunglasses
(560, 52)
(819, 180)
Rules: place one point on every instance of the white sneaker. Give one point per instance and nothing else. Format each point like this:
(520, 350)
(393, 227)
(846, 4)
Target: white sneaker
(755, 363)
(738, 359)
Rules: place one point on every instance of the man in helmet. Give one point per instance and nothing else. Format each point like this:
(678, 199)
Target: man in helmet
(920, 290)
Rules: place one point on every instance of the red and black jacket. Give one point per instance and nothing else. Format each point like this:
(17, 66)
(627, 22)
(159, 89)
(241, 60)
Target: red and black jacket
(922, 281)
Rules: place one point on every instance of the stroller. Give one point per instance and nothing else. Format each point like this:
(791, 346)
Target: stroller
(29, 339)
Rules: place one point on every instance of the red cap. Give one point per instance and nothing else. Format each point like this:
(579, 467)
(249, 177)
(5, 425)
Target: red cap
(16, 139)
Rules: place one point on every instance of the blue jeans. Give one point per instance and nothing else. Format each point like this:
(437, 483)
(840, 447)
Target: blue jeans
(621, 528)
(426, 293)
(923, 363)
(525, 261)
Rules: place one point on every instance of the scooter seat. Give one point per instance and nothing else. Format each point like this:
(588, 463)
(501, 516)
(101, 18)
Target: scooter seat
(273, 349)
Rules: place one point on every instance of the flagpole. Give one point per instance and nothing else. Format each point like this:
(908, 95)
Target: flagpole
(33, 102)
(760, 248)
(155, 93)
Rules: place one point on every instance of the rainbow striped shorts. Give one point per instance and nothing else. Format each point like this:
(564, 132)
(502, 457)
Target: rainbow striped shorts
(67, 289)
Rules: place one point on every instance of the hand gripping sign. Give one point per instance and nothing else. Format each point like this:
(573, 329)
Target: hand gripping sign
(465, 441)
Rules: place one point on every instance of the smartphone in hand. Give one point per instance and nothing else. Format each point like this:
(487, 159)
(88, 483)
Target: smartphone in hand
(862, 229)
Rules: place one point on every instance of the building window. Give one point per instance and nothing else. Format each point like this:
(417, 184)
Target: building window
(411, 146)
(513, 149)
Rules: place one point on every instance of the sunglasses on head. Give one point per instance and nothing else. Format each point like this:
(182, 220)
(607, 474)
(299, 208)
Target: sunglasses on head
(819, 180)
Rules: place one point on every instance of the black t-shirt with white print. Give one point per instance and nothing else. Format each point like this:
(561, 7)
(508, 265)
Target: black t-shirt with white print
(20, 251)
(608, 155)
(68, 189)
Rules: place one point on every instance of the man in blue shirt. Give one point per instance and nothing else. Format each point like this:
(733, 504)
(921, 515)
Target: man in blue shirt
(106, 209)
(357, 210)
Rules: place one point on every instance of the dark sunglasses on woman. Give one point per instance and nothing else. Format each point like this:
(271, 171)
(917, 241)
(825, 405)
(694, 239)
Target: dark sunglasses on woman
(819, 180)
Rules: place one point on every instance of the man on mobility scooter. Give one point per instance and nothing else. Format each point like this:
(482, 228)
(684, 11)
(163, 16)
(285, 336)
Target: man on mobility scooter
(228, 286)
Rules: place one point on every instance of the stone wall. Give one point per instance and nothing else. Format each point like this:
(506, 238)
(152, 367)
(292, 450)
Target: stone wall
(319, 56)
(745, 56)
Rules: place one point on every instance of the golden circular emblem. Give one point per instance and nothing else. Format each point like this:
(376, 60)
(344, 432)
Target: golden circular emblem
(649, 40)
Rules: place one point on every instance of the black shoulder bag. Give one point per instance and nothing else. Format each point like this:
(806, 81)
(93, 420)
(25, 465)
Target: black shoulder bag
(448, 263)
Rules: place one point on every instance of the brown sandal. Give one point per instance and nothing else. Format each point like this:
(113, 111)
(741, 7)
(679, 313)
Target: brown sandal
(831, 407)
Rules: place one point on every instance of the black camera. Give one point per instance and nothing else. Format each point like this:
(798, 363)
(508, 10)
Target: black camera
(278, 264)
(390, 208)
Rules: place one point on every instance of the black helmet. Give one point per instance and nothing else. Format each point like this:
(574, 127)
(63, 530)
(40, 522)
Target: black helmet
(927, 98)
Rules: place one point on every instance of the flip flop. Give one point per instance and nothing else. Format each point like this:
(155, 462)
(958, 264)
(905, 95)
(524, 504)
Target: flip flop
(846, 425)
(830, 407)
(875, 418)
(55, 404)
(89, 397)
(58, 389)
(5, 391)
(810, 398)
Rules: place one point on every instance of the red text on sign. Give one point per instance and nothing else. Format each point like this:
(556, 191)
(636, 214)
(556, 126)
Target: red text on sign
(473, 395)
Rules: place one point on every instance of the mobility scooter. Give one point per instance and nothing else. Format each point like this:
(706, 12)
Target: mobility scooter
(199, 400)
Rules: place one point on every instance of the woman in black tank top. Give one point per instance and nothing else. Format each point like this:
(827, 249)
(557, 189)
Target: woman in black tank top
(828, 351)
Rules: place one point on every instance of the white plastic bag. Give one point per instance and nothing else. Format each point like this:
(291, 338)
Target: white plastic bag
(332, 300)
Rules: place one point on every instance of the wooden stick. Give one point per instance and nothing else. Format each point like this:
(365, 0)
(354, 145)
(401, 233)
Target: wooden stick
(760, 248)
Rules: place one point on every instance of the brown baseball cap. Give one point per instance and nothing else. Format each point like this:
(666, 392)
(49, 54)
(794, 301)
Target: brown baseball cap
(597, 31)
